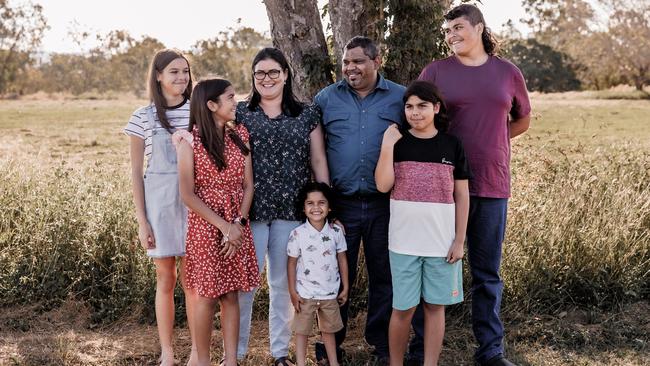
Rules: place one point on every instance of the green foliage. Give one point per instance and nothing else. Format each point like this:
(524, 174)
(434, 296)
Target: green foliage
(132, 64)
(120, 63)
(608, 51)
(414, 38)
(229, 55)
(21, 30)
(545, 69)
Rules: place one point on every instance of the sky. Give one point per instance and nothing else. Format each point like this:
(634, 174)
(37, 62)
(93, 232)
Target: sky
(180, 24)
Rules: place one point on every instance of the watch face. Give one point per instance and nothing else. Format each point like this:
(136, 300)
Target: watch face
(243, 221)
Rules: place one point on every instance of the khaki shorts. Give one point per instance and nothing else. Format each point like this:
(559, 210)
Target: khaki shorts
(329, 316)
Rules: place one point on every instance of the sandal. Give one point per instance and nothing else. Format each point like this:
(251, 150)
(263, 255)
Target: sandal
(283, 361)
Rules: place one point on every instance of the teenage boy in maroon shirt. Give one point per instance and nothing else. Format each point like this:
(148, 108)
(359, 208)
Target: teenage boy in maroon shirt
(487, 104)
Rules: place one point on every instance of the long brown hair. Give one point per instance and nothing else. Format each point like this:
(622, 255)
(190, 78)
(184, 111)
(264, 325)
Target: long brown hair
(160, 60)
(474, 16)
(201, 117)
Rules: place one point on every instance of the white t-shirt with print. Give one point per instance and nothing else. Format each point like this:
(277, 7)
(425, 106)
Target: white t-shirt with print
(317, 269)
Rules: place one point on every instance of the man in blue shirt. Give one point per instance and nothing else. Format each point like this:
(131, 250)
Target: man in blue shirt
(356, 112)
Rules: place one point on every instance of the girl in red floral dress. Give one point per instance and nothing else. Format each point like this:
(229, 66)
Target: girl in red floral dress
(216, 184)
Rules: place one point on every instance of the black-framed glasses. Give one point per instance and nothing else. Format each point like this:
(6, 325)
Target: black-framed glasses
(273, 74)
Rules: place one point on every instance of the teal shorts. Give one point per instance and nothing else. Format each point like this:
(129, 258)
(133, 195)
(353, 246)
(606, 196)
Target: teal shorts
(429, 278)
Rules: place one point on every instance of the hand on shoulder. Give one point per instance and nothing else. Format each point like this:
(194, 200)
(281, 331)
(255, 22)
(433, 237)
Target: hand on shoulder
(181, 135)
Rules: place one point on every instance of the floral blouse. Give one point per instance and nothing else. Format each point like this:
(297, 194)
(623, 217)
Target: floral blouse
(281, 159)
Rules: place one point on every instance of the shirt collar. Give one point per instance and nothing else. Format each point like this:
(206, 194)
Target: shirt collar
(313, 230)
(381, 84)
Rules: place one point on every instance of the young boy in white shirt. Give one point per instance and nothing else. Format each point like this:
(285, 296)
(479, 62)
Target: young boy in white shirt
(317, 271)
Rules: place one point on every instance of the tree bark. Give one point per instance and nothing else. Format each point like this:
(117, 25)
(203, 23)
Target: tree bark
(297, 31)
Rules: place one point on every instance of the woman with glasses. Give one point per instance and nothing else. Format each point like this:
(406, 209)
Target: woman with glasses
(288, 146)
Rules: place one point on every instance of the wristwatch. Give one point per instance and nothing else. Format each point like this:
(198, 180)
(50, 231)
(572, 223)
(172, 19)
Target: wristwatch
(241, 221)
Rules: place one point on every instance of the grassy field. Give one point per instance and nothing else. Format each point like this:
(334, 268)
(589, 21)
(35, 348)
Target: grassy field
(75, 288)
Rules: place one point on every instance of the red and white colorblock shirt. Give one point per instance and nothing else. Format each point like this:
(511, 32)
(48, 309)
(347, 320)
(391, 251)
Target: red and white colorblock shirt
(422, 208)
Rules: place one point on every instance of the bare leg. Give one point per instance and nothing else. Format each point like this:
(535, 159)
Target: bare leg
(301, 349)
(230, 326)
(434, 332)
(202, 321)
(330, 346)
(398, 334)
(165, 283)
(190, 299)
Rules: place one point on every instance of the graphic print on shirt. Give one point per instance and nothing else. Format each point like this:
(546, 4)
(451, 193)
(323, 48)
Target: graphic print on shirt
(317, 272)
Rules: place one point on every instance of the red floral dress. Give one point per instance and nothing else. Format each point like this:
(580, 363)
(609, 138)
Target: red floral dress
(210, 273)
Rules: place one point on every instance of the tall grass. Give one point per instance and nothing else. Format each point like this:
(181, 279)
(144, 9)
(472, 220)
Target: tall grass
(69, 232)
(579, 229)
(578, 225)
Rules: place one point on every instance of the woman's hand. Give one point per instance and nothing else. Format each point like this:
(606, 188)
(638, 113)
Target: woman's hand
(145, 234)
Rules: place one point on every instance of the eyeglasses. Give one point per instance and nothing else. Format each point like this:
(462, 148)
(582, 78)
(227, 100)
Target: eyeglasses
(260, 75)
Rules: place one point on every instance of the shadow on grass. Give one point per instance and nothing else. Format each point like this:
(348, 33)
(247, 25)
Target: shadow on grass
(576, 337)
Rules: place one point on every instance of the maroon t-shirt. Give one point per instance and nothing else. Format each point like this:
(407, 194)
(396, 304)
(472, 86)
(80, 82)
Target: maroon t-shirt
(479, 101)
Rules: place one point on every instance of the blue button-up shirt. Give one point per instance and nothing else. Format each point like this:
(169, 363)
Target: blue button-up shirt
(354, 130)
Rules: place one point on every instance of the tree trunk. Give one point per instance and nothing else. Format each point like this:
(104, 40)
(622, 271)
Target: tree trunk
(640, 78)
(415, 37)
(297, 30)
(351, 18)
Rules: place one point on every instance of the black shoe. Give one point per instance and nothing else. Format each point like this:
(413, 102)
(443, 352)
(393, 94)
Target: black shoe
(321, 353)
(413, 362)
(283, 361)
(381, 361)
(498, 361)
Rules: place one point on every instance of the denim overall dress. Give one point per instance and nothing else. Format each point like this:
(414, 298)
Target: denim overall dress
(166, 212)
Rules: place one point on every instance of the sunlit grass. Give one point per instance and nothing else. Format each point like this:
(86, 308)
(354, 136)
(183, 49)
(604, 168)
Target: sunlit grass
(578, 225)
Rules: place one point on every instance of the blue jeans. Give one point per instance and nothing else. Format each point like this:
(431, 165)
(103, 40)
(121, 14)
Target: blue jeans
(486, 228)
(366, 218)
(270, 239)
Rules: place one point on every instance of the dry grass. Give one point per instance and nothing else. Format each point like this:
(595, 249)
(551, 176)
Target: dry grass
(64, 336)
(577, 250)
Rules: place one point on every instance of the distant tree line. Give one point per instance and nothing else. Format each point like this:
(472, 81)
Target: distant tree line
(118, 63)
(573, 47)
(570, 47)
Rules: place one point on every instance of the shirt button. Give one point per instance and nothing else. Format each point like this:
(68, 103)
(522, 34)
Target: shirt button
(361, 142)
(362, 160)
(363, 178)
(364, 111)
